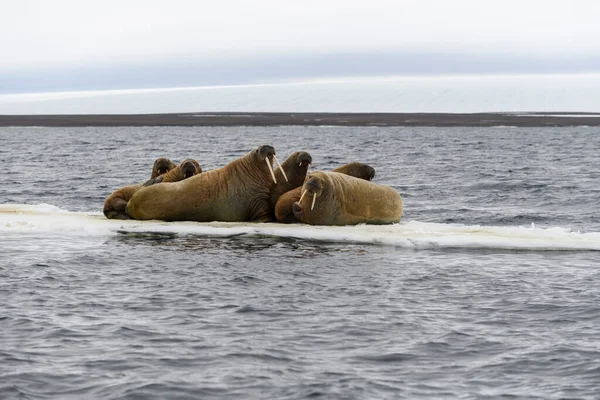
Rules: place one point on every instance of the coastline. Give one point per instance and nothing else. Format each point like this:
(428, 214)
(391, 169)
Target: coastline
(525, 119)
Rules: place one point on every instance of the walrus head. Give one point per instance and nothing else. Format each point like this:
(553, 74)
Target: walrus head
(190, 167)
(266, 153)
(303, 159)
(313, 187)
(370, 173)
(294, 167)
(162, 166)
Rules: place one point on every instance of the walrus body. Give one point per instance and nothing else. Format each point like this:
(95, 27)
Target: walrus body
(332, 198)
(239, 191)
(284, 212)
(115, 204)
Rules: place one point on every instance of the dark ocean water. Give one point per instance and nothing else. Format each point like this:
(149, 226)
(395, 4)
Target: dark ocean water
(127, 316)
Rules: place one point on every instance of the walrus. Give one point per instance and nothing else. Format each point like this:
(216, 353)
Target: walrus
(162, 166)
(294, 170)
(358, 170)
(114, 206)
(284, 212)
(332, 198)
(237, 192)
(186, 169)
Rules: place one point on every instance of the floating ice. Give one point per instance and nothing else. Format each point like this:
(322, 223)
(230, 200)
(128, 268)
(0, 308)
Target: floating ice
(46, 219)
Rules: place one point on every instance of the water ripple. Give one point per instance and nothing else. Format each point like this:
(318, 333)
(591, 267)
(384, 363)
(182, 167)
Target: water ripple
(161, 316)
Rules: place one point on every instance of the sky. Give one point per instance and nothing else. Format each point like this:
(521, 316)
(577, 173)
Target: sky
(76, 45)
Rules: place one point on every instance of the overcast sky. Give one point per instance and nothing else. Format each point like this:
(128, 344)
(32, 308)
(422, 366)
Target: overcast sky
(61, 36)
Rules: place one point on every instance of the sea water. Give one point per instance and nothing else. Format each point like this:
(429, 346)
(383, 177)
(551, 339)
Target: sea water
(454, 94)
(487, 288)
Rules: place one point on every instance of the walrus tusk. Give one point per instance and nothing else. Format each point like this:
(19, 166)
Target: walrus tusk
(313, 203)
(303, 193)
(271, 170)
(281, 168)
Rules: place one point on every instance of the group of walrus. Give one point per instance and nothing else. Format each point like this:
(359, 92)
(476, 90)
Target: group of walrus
(250, 189)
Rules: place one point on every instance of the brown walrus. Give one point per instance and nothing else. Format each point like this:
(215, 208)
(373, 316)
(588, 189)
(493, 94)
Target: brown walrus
(188, 168)
(294, 170)
(332, 198)
(283, 208)
(162, 166)
(239, 191)
(114, 206)
(357, 170)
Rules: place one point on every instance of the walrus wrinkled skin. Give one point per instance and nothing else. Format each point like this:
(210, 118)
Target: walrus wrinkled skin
(115, 204)
(237, 192)
(332, 198)
(295, 168)
(162, 166)
(284, 212)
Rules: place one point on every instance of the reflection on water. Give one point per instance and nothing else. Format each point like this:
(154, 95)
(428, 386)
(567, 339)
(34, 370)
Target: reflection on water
(225, 246)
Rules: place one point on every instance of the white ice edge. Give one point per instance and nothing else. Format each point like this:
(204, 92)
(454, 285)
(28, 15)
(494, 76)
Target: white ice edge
(44, 219)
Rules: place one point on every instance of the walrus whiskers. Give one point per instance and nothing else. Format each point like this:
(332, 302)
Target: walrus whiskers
(303, 193)
(281, 168)
(313, 203)
(271, 170)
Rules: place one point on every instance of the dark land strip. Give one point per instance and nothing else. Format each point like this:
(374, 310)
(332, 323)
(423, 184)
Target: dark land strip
(529, 119)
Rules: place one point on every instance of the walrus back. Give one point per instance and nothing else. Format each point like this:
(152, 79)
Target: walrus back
(157, 202)
(209, 196)
(362, 201)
